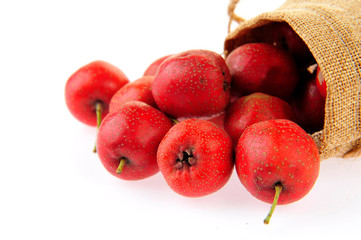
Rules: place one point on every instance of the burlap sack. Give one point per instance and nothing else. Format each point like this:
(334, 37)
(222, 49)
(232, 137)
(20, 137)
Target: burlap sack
(332, 31)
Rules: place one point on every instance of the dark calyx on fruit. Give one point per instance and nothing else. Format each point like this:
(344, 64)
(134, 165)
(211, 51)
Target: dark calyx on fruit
(185, 160)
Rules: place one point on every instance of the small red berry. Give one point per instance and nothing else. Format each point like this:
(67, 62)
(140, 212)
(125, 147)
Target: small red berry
(196, 158)
(153, 67)
(90, 87)
(193, 83)
(138, 90)
(277, 161)
(253, 108)
(262, 67)
(128, 140)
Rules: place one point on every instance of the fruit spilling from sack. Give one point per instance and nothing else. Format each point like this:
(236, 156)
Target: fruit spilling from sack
(195, 116)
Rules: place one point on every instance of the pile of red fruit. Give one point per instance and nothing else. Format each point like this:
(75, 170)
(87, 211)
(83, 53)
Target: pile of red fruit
(195, 115)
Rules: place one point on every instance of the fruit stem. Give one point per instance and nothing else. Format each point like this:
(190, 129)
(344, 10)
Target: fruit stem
(278, 188)
(175, 121)
(122, 162)
(98, 112)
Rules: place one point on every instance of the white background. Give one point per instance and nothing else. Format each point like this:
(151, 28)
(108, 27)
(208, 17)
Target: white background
(51, 184)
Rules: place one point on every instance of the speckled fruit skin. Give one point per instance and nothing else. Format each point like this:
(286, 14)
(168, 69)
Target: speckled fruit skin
(193, 83)
(262, 67)
(153, 67)
(92, 83)
(273, 152)
(133, 132)
(253, 108)
(196, 158)
(138, 90)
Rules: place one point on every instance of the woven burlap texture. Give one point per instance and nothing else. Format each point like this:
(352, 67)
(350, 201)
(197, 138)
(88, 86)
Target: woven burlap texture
(332, 32)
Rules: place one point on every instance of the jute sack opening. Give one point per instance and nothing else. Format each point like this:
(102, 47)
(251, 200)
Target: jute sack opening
(332, 31)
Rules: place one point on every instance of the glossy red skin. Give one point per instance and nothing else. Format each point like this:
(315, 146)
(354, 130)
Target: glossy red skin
(309, 106)
(277, 151)
(261, 67)
(212, 150)
(133, 132)
(217, 60)
(280, 34)
(321, 83)
(94, 82)
(153, 67)
(253, 108)
(193, 83)
(138, 90)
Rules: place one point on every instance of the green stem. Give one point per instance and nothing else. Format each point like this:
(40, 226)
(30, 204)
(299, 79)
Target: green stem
(278, 188)
(175, 121)
(98, 112)
(122, 162)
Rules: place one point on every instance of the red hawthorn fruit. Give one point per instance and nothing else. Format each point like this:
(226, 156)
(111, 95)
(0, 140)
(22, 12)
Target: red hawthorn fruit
(277, 162)
(138, 90)
(253, 108)
(309, 106)
(153, 67)
(262, 67)
(194, 83)
(90, 89)
(195, 158)
(128, 140)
